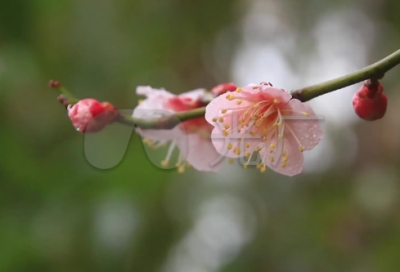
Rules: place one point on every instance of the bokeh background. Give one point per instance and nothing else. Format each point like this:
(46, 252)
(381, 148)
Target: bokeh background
(60, 212)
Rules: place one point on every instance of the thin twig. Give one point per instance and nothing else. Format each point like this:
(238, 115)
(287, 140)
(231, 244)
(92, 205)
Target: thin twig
(374, 71)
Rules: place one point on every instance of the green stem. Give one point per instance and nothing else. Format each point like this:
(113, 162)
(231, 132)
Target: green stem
(166, 122)
(374, 71)
(71, 99)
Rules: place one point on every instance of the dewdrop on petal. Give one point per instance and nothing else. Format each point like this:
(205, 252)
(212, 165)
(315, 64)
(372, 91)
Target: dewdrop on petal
(89, 115)
(369, 102)
(264, 119)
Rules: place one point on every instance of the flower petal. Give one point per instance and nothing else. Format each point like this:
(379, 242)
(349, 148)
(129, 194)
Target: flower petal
(275, 93)
(287, 159)
(216, 107)
(145, 112)
(303, 123)
(200, 153)
(196, 94)
(150, 92)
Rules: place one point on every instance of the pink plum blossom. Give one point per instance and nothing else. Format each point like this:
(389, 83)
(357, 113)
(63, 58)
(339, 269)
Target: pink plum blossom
(191, 138)
(264, 119)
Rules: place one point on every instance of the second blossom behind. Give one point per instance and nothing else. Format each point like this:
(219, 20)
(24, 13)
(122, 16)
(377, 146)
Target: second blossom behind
(191, 138)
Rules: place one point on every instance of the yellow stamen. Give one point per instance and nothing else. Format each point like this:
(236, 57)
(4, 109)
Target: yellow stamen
(230, 97)
(181, 169)
(164, 163)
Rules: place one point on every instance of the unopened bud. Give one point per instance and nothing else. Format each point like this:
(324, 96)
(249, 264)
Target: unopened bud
(369, 102)
(89, 115)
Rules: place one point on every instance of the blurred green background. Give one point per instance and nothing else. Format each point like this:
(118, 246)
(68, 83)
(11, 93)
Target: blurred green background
(60, 212)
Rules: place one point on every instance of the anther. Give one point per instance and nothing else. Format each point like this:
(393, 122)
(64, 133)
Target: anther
(181, 169)
(230, 97)
(164, 163)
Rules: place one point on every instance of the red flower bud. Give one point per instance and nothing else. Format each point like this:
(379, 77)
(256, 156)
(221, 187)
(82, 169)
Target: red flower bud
(223, 88)
(89, 115)
(369, 102)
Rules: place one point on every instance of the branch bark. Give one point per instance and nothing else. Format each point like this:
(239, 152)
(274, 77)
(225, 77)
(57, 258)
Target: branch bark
(374, 71)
